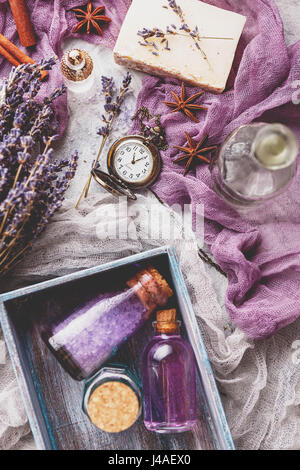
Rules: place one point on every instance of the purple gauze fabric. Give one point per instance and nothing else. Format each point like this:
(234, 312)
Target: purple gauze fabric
(53, 22)
(260, 253)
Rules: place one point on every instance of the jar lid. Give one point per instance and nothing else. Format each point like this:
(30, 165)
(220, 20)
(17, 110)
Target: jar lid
(112, 399)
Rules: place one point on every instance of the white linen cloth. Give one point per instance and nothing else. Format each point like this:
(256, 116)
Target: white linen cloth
(259, 381)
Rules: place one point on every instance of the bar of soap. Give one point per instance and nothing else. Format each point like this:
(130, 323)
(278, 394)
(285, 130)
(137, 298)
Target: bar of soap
(207, 68)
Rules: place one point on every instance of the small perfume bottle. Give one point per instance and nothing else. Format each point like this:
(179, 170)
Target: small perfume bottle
(77, 68)
(255, 163)
(112, 399)
(169, 378)
(84, 338)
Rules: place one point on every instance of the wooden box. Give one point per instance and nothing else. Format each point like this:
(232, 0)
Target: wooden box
(53, 400)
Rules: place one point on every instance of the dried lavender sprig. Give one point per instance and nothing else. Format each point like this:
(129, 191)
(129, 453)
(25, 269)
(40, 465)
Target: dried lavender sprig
(184, 27)
(113, 102)
(172, 29)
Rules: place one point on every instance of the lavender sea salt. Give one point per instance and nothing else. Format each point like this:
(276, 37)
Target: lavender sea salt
(84, 339)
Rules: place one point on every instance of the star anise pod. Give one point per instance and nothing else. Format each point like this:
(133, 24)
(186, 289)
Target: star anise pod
(185, 104)
(193, 152)
(89, 18)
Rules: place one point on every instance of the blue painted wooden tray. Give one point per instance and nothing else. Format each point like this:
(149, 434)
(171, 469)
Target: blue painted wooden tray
(53, 400)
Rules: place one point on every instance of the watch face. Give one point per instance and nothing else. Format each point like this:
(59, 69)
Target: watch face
(133, 161)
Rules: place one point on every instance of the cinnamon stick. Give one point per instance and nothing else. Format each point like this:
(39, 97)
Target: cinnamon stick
(15, 55)
(9, 57)
(23, 22)
(14, 50)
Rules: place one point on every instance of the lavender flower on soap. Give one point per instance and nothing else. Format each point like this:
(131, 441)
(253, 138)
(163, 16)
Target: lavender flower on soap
(32, 183)
(156, 39)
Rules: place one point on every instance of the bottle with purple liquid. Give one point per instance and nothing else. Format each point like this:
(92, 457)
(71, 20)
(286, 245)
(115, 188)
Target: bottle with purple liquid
(169, 378)
(83, 339)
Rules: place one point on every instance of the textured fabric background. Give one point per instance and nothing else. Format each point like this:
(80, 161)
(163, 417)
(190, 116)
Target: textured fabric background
(259, 380)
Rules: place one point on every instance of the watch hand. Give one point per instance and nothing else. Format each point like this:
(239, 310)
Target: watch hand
(143, 158)
(133, 159)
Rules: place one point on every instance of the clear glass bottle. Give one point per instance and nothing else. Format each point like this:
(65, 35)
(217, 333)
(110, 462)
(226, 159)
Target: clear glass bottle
(83, 339)
(112, 399)
(255, 163)
(77, 68)
(169, 378)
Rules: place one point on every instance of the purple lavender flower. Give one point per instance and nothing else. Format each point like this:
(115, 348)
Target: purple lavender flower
(185, 28)
(110, 108)
(126, 80)
(176, 8)
(108, 87)
(113, 101)
(103, 131)
(146, 33)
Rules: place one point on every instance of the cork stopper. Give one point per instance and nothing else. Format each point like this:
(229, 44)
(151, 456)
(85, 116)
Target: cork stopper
(76, 57)
(151, 288)
(165, 289)
(76, 65)
(166, 321)
(113, 407)
(168, 316)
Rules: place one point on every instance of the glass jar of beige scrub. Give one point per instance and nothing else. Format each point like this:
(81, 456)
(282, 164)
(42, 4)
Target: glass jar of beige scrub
(112, 399)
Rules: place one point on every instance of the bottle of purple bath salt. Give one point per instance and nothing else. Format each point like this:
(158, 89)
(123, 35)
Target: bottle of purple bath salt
(169, 378)
(83, 339)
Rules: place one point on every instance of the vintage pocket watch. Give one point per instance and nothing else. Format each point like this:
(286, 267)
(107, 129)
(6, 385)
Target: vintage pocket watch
(133, 163)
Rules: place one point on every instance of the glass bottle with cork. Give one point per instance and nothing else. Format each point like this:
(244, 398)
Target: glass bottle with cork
(169, 378)
(255, 164)
(78, 70)
(85, 337)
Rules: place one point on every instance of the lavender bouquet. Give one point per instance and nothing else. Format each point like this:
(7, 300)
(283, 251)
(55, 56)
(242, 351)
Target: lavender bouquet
(32, 182)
